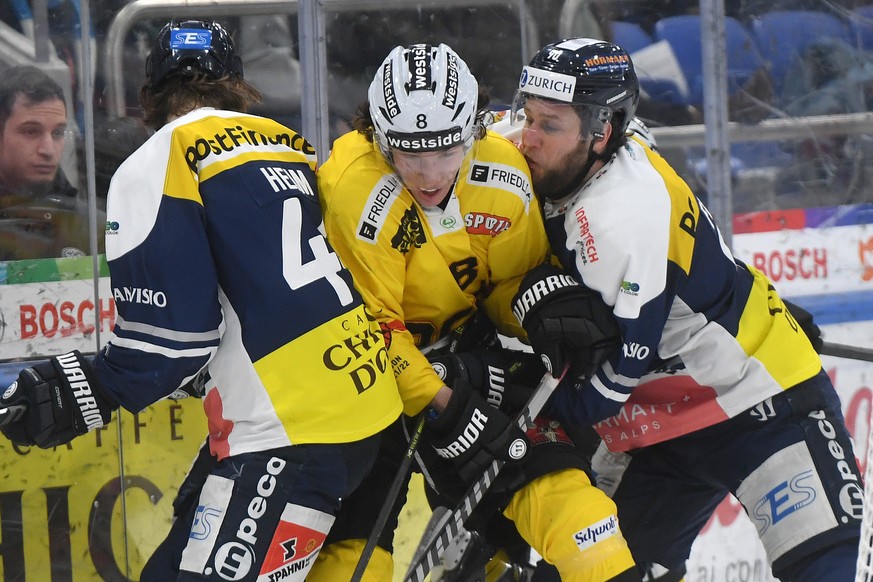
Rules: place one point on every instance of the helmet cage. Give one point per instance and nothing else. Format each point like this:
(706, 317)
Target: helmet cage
(190, 47)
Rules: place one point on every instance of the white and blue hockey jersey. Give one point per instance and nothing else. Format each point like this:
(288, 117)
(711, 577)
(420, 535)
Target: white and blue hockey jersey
(219, 268)
(705, 335)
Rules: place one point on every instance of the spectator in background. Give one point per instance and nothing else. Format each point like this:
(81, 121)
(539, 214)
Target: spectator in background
(40, 214)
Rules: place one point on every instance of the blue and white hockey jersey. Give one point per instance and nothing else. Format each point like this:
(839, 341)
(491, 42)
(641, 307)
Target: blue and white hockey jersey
(705, 335)
(218, 264)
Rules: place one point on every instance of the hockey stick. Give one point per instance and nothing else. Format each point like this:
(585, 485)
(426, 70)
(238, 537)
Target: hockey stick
(389, 501)
(844, 351)
(429, 553)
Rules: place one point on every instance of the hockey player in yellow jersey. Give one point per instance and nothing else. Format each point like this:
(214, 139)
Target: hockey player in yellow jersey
(435, 218)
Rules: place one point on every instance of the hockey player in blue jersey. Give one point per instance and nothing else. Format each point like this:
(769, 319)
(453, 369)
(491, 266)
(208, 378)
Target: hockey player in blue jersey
(222, 279)
(717, 388)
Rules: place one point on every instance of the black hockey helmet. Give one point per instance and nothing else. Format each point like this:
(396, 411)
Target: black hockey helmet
(586, 72)
(193, 46)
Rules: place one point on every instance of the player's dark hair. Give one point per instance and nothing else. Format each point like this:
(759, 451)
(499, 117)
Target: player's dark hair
(178, 94)
(29, 81)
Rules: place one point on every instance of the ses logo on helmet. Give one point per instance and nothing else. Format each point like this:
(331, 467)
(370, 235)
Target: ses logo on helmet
(188, 38)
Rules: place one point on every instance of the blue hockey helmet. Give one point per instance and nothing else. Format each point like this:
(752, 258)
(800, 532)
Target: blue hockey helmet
(588, 73)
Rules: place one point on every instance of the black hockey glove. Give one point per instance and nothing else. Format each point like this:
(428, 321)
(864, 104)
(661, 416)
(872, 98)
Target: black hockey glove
(62, 401)
(505, 378)
(471, 434)
(804, 320)
(565, 321)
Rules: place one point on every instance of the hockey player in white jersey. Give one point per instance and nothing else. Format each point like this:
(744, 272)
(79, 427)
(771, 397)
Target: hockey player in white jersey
(221, 275)
(717, 388)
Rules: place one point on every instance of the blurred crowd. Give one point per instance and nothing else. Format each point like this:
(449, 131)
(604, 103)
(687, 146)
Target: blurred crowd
(826, 73)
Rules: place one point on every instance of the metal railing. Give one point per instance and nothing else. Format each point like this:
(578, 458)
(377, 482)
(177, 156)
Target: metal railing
(314, 99)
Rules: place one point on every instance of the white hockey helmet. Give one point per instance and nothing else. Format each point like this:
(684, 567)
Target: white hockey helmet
(423, 98)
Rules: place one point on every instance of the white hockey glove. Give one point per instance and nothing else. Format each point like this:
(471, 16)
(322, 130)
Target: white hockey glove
(54, 402)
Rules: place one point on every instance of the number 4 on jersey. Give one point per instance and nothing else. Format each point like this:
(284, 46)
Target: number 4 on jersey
(324, 264)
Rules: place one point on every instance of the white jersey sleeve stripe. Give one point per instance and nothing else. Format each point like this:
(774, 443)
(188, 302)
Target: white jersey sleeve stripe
(212, 335)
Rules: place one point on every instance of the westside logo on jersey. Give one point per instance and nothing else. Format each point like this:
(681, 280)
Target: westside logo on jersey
(383, 194)
(501, 176)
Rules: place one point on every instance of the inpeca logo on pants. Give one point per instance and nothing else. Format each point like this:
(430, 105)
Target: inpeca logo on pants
(235, 559)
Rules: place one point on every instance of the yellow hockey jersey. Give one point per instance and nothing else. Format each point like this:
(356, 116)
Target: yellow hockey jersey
(424, 272)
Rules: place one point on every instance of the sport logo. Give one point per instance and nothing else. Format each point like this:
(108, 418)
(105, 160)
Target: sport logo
(410, 233)
(487, 224)
(190, 38)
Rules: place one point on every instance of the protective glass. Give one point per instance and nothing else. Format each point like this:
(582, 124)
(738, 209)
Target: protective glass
(428, 169)
(551, 126)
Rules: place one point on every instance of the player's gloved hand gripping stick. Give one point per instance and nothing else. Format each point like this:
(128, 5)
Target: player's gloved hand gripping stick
(430, 551)
(53, 402)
